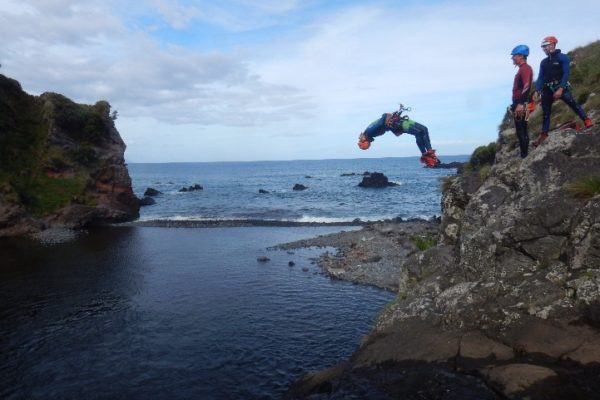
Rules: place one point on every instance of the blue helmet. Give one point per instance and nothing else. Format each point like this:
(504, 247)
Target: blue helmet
(521, 49)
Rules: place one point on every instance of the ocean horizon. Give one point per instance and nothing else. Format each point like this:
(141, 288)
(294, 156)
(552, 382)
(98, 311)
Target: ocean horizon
(263, 190)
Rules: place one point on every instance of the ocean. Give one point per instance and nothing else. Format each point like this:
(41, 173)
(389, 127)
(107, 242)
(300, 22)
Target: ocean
(231, 190)
(144, 312)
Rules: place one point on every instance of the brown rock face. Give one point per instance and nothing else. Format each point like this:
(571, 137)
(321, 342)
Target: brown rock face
(61, 164)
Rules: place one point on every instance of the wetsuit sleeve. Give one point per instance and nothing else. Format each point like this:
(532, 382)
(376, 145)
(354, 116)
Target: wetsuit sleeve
(540, 79)
(376, 128)
(566, 65)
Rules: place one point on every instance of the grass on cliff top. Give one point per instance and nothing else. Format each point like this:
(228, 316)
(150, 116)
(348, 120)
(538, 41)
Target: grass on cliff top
(80, 121)
(585, 188)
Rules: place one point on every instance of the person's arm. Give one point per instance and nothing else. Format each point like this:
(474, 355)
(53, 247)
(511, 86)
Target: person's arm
(540, 79)
(375, 128)
(566, 67)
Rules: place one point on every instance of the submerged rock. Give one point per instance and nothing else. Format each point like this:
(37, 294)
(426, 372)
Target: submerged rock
(147, 201)
(151, 192)
(192, 188)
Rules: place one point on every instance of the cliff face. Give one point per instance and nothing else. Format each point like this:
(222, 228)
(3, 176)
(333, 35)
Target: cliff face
(507, 305)
(61, 164)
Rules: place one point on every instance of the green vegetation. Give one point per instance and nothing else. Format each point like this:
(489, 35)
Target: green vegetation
(483, 172)
(585, 188)
(42, 195)
(81, 122)
(425, 242)
(483, 155)
(29, 162)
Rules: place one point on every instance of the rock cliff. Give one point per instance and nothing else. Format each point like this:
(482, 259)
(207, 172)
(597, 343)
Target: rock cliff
(507, 305)
(61, 164)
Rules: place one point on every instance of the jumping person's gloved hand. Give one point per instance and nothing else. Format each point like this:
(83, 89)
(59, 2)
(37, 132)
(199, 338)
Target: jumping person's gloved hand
(363, 141)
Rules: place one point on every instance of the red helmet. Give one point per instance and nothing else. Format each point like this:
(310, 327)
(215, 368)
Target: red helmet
(549, 40)
(364, 144)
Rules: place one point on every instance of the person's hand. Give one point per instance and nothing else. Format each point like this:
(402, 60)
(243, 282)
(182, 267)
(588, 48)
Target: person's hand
(520, 110)
(558, 94)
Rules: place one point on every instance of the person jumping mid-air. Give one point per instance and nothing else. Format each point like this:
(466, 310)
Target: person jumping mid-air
(399, 124)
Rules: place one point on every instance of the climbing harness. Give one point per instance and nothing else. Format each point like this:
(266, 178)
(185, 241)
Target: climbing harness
(529, 108)
(553, 86)
(395, 121)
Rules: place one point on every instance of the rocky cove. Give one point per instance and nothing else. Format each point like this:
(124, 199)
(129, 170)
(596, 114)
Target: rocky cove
(501, 301)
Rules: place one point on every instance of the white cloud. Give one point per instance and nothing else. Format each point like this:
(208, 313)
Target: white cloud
(309, 87)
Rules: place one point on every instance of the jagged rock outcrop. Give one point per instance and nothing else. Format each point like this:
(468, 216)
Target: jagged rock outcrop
(375, 180)
(61, 164)
(508, 303)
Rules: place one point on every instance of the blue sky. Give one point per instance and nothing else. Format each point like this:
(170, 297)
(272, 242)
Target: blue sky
(238, 80)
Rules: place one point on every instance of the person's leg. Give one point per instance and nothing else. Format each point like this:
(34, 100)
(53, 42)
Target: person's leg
(523, 136)
(420, 133)
(567, 97)
(547, 100)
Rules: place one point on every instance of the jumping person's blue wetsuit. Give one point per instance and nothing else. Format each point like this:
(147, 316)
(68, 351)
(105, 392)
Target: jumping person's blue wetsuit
(398, 126)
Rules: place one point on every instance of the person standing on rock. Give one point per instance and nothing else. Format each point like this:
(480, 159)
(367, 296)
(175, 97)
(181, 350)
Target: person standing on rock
(399, 124)
(520, 95)
(553, 84)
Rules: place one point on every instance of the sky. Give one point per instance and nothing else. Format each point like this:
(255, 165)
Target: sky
(243, 80)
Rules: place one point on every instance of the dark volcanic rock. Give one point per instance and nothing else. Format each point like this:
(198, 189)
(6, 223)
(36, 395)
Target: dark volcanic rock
(453, 164)
(192, 188)
(147, 201)
(376, 180)
(152, 192)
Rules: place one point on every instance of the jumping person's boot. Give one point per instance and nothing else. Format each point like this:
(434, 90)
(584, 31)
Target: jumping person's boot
(588, 122)
(430, 159)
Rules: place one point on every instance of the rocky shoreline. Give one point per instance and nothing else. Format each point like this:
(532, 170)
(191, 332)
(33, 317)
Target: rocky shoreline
(371, 255)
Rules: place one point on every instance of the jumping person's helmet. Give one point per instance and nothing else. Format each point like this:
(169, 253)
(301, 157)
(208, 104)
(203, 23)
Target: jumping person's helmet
(521, 49)
(364, 144)
(549, 40)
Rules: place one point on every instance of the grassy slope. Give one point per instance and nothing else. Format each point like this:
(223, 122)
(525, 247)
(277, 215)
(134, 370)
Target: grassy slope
(27, 156)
